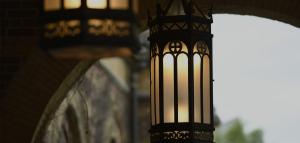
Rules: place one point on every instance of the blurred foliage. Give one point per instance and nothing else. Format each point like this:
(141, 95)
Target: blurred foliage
(233, 132)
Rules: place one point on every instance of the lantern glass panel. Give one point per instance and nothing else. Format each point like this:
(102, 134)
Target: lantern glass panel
(119, 4)
(182, 64)
(97, 4)
(197, 88)
(168, 68)
(50, 5)
(72, 4)
(157, 90)
(206, 90)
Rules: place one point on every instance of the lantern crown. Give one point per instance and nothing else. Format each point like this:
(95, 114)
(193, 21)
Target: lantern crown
(181, 15)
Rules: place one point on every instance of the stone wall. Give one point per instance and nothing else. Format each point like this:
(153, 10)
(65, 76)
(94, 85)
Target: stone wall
(96, 110)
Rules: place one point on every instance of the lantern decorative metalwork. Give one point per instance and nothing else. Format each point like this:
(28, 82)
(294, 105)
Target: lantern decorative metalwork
(89, 28)
(181, 74)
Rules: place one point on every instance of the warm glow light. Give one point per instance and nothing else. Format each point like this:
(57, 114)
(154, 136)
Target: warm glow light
(183, 108)
(170, 61)
(50, 5)
(119, 4)
(197, 87)
(97, 4)
(169, 88)
(183, 113)
(71, 4)
(206, 90)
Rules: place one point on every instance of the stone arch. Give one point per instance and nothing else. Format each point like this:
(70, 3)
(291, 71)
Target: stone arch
(72, 121)
(287, 11)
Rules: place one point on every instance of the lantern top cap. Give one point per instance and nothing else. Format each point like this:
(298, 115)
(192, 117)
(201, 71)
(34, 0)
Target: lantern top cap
(188, 19)
(183, 7)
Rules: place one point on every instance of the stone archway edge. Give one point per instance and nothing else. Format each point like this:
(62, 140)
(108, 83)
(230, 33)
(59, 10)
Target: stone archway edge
(58, 97)
(287, 11)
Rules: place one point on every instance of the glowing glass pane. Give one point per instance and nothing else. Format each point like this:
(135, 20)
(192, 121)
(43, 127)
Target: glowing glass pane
(183, 108)
(50, 5)
(197, 88)
(119, 4)
(97, 4)
(206, 90)
(72, 4)
(168, 88)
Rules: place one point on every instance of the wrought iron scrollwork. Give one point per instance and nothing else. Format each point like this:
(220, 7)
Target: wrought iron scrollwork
(175, 47)
(62, 29)
(108, 27)
(201, 48)
(181, 26)
(175, 26)
(200, 27)
(181, 136)
(202, 136)
(176, 135)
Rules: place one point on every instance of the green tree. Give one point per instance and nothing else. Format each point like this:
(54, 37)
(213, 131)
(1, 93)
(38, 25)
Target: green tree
(255, 136)
(233, 132)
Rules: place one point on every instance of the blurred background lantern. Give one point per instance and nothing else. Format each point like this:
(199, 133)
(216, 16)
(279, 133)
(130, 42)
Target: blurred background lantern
(89, 29)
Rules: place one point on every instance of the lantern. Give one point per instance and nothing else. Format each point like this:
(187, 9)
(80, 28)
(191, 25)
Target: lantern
(181, 74)
(89, 28)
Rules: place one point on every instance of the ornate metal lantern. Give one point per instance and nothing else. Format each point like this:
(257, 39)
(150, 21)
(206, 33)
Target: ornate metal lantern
(89, 28)
(181, 74)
